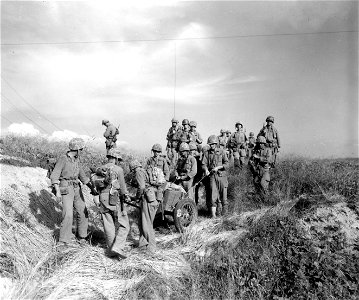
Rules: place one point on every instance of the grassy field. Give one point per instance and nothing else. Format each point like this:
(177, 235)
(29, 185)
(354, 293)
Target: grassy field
(301, 242)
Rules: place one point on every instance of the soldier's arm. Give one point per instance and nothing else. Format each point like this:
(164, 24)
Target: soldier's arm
(278, 141)
(82, 176)
(204, 163)
(141, 182)
(122, 183)
(199, 139)
(225, 161)
(193, 170)
(166, 170)
(56, 173)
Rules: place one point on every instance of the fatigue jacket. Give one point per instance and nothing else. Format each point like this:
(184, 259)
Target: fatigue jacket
(141, 181)
(271, 135)
(184, 137)
(251, 142)
(215, 158)
(237, 139)
(172, 136)
(159, 162)
(117, 179)
(186, 166)
(110, 132)
(222, 140)
(264, 157)
(196, 137)
(68, 168)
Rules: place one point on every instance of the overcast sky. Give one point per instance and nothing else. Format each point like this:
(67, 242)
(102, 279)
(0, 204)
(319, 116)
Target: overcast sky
(308, 82)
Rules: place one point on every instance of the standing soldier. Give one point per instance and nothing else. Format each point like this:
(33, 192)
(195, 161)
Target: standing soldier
(146, 193)
(65, 179)
(222, 139)
(251, 144)
(110, 134)
(215, 164)
(158, 168)
(184, 135)
(259, 164)
(196, 137)
(271, 135)
(194, 152)
(172, 143)
(110, 182)
(186, 169)
(237, 144)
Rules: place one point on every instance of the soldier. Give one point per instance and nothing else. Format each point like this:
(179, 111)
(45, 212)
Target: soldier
(146, 193)
(65, 179)
(259, 164)
(110, 182)
(157, 166)
(215, 164)
(196, 137)
(237, 144)
(186, 169)
(272, 137)
(222, 139)
(110, 134)
(172, 143)
(251, 143)
(193, 152)
(184, 135)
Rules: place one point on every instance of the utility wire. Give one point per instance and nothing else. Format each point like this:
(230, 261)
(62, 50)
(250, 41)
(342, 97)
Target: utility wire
(175, 81)
(178, 39)
(23, 99)
(32, 121)
(7, 119)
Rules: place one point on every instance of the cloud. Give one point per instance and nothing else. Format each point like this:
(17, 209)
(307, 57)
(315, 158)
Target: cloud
(23, 129)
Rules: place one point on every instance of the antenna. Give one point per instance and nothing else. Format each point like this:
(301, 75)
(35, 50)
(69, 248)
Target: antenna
(175, 80)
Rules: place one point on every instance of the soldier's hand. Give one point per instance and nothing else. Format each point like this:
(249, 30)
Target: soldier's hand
(207, 172)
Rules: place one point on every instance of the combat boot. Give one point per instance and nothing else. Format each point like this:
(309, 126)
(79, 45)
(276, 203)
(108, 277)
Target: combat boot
(225, 210)
(213, 211)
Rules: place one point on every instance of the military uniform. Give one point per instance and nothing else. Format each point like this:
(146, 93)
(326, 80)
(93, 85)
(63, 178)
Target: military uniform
(259, 163)
(237, 144)
(67, 174)
(186, 168)
(146, 194)
(110, 135)
(270, 133)
(161, 163)
(250, 145)
(218, 181)
(112, 208)
(172, 144)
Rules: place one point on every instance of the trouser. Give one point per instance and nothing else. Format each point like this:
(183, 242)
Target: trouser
(147, 233)
(172, 155)
(187, 184)
(110, 143)
(73, 200)
(261, 180)
(239, 159)
(217, 187)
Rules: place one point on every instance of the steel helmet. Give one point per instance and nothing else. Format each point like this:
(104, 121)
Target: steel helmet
(183, 147)
(251, 134)
(192, 146)
(228, 131)
(134, 164)
(212, 139)
(261, 140)
(193, 124)
(76, 144)
(238, 123)
(270, 119)
(114, 152)
(174, 120)
(157, 148)
(185, 122)
(105, 121)
(223, 131)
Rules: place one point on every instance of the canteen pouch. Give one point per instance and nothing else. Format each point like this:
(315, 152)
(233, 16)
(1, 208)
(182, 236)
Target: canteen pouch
(150, 195)
(64, 187)
(114, 198)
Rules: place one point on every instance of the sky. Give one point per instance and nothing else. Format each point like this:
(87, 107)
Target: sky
(65, 66)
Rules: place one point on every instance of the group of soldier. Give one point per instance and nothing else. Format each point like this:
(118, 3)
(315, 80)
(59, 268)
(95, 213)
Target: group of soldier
(187, 163)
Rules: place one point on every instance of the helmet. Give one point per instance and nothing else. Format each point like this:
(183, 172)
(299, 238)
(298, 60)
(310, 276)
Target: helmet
(114, 152)
(192, 146)
(174, 120)
(185, 122)
(76, 144)
(261, 140)
(238, 123)
(183, 147)
(223, 131)
(212, 140)
(134, 164)
(105, 121)
(251, 134)
(270, 119)
(157, 147)
(193, 124)
(228, 131)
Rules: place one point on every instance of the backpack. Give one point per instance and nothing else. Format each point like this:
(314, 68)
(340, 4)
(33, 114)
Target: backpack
(101, 178)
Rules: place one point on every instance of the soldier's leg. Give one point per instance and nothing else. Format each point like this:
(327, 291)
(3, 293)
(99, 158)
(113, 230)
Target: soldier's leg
(147, 234)
(67, 216)
(187, 185)
(122, 232)
(264, 182)
(223, 187)
(109, 227)
(214, 195)
(81, 212)
(236, 159)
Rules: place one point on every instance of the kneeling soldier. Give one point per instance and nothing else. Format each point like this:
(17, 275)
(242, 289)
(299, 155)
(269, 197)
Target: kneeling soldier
(110, 183)
(215, 164)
